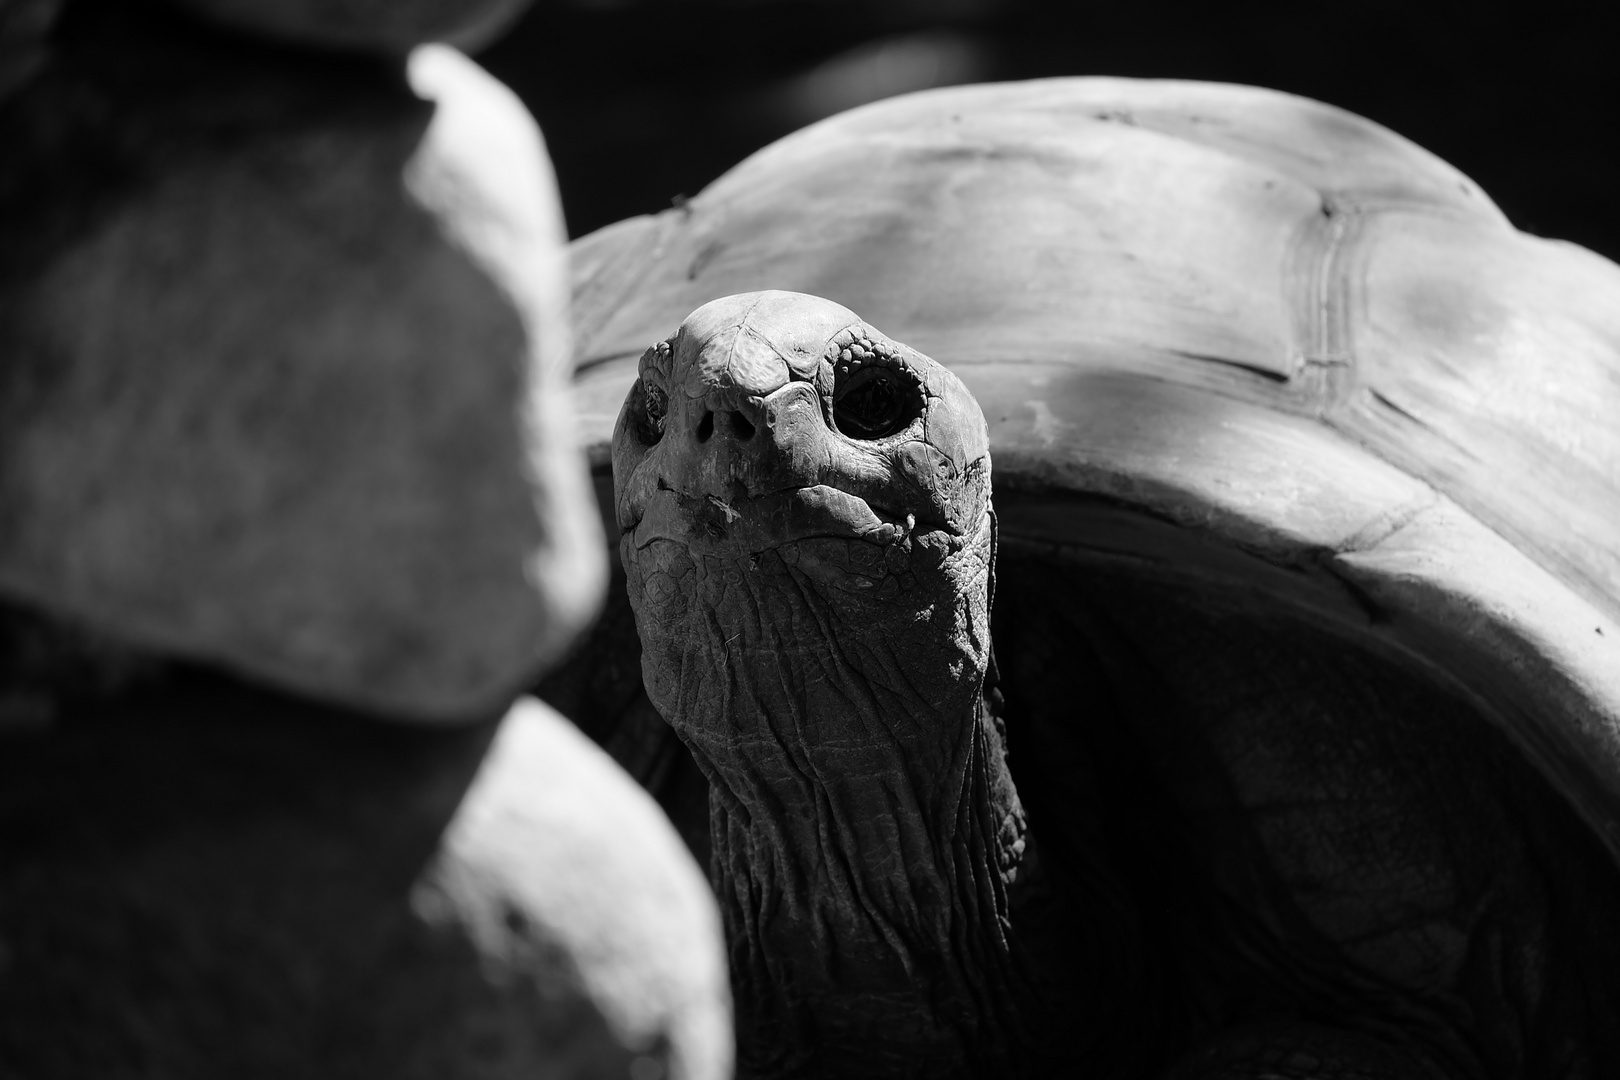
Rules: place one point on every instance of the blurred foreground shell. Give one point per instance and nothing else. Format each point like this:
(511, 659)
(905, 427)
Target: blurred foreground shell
(570, 879)
(280, 339)
(211, 879)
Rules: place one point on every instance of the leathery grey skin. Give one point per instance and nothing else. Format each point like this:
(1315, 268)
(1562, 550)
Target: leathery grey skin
(810, 551)
(813, 609)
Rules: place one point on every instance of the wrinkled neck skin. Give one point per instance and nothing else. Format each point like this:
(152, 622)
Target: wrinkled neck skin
(866, 832)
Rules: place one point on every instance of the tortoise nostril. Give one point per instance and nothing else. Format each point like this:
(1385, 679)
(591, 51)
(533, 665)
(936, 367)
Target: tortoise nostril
(741, 427)
(705, 427)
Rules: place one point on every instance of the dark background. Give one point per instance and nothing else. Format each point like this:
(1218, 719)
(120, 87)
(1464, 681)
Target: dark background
(645, 100)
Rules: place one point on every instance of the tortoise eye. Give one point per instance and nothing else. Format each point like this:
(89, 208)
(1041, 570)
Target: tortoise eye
(874, 404)
(654, 406)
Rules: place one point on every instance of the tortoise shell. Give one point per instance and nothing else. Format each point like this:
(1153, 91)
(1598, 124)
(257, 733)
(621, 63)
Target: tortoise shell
(1224, 338)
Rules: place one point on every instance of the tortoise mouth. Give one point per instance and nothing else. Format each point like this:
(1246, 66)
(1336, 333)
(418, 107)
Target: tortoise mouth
(759, 523)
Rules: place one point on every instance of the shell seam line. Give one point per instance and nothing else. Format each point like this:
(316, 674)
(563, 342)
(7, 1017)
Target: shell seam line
(1387, 524)
(1327, 339)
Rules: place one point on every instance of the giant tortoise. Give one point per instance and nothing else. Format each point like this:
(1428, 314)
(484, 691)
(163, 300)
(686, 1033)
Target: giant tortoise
(1298, 754)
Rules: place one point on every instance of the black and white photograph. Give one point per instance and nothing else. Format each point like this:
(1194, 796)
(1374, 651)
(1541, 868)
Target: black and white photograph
(809, 540)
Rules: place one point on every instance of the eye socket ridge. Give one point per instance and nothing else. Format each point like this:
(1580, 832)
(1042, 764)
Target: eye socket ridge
(652, 405)
(875, 401)
(650, 401)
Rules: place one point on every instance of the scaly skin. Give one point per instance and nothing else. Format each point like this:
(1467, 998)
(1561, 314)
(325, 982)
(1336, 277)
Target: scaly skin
(823, 656)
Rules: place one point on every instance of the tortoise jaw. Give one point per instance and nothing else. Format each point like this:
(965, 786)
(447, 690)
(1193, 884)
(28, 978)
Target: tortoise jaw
(749, 524)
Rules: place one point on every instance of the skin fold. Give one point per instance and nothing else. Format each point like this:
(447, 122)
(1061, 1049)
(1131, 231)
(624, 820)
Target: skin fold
(734, 554)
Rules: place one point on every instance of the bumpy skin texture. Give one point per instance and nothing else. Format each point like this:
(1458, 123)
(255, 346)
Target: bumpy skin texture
(813, 608)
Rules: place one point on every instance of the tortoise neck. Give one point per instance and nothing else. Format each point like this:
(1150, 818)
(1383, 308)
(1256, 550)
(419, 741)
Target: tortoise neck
(872, 911)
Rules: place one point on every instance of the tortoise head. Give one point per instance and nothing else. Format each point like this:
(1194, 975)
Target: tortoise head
(804, 507)
(777, 451)
(774, 417)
